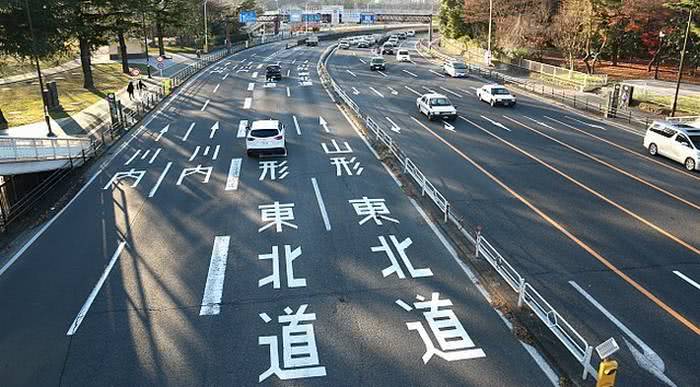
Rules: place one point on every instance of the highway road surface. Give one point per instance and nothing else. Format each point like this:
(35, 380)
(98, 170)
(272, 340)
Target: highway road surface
(183, 262)
(607, 234)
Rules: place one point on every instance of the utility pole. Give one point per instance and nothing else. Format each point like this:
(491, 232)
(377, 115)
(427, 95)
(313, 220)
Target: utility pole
(206, 32)
(38, 71)
(680, 67)
(490, 23)
(145, 46)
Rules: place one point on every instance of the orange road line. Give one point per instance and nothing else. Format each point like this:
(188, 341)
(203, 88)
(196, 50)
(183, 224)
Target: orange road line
(679, 317)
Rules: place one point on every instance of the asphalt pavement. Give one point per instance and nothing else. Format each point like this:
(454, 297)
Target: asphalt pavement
(607, 234)
(182, 261)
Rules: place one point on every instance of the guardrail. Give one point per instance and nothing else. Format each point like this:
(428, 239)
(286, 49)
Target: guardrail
(561, 96)
(527, 295)
(27, 149)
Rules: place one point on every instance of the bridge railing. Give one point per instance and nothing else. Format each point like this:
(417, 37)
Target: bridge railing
(30, 149)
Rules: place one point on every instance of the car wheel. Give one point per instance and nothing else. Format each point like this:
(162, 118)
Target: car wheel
(430, 117)
(690, 164)
(493, 103)
(653, 150)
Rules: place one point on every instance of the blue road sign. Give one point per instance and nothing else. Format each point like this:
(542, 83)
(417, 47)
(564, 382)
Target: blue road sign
(247, 17)
(368, 18)
(311, 17)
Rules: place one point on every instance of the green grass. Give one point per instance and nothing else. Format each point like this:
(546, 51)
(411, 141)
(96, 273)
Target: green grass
(173, 50)
(688, 105)
(21, 102)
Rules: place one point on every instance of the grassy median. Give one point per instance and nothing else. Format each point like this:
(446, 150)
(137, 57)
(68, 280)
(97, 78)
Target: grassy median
(21, 102)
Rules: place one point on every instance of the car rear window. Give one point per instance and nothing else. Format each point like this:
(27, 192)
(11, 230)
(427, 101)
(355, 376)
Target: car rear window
(388, 45)
(377, 60)
(459, 66)
(440, 102)
(264, 133)
(403, 52)
(499, 91)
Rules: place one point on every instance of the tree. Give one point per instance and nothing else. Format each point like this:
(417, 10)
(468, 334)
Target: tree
(451, 19)
(16, 37)
(569, 30)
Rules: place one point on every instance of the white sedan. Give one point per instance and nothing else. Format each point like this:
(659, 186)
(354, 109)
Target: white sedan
(495, 95)
(266, 138)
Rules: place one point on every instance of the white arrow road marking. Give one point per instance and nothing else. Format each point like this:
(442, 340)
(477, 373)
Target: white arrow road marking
(586, 123)
(214, 128)
(251, 86)
(647, 359)
(380, 72)
(321, 205)
(225, 76)
(429, 90)
(410, 73)
(259, 66)
(466, 91)
(687, 279)
(247, 103)
(255, 74)
(394, 127)
(204, 106)
(351, 73)
(393, 92)
(437, 73)
(539, 122)
(376, 92)
(216, 88)
(234, 172)
(500, 125)
(355, 91)
(448, 126)
(450, 91)
(214, 288)
(163, 131)
(189, 130)
(138, 151)
(413, 91)
(86, 307)
(363, 61)
(242, 128)
(323, 123)
(160, 180)
(296, 125)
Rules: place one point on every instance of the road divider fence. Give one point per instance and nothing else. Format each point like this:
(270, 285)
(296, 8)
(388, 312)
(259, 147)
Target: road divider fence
(569, 337)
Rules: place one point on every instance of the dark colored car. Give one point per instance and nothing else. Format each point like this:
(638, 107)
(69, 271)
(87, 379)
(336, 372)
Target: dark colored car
(388, 48)
(377, 63)
(273, 73)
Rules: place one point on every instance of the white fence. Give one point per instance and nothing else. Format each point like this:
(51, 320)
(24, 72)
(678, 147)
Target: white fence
(527, 295)
(31, 149)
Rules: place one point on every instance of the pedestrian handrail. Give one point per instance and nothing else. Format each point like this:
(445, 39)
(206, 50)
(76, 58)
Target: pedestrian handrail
(572, 340)
(28, 149)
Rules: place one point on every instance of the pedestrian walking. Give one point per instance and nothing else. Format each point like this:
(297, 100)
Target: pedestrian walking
(142, 86)
(130, 90)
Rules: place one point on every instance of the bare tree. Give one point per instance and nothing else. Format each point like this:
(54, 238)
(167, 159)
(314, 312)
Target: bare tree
(569, 29)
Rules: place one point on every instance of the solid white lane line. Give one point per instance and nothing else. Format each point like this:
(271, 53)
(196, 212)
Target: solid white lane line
(429, 90)
(376, 92)
(194, 153)
(153, 158)
(650, 360)
(450, 91)
(247, 103)
(289, 71)
(296, 125)
(204, 106)
(242, 127)
(216, 88)
(251, 86)
(687, 279)
(160, 180)
(351, 73)
(437, 73)
(289, 93)
(473, 88)
(138, 151)
(255, 74)
(187, 135)
(86, 306)
(321, 205)
(363, 61)
(413, 91)
(214, 288)
(466, 91)
(225, 76)
(234, 172)
(381, 72)
(259, 66)
(410, 73)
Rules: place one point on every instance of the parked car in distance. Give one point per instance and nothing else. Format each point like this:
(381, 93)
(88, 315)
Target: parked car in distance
(388, 48)
(436, 105)
(266, 138)
(678, 142)
(363, 43)
(411, 33)
(402, 55)
(312, 40)
(455, 69)
(344, 44)
(377, 63)
(495, 95)
(401, 35)
(273, 72)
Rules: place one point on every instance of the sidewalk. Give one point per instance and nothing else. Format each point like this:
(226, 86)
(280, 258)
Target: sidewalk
(101, 55)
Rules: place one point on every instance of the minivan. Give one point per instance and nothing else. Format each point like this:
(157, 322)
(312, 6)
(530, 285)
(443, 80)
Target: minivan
(677, 141)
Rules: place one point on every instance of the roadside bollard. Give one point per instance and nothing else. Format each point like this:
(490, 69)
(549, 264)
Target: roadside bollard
(607, 372)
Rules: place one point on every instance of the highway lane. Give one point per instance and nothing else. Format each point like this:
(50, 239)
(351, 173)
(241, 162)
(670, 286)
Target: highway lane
(649, 256)
(189, 299)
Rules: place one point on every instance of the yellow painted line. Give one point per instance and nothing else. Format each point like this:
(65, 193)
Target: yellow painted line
(679, 317)
(614, 168)
(618, 146)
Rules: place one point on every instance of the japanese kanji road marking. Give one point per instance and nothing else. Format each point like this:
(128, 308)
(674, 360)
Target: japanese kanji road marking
(289, 257)
(337, 149)
(395, 268)
(199, 169)
(130, 174)
(343, 165)
(278, 215)
(138, 151)
(374, 209)
(275, 170)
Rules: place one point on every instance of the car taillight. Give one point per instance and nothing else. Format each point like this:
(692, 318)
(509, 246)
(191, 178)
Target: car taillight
(278, 138)
(251, 139)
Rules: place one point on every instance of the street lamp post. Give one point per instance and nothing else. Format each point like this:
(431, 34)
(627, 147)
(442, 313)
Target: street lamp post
(661, 43)
(206, 32)
(145, 46)
(680, 67)
(38, 71)
(488, 53)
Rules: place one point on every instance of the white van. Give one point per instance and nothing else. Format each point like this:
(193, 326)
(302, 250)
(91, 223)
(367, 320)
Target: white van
(402, 55)
(676, 141)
